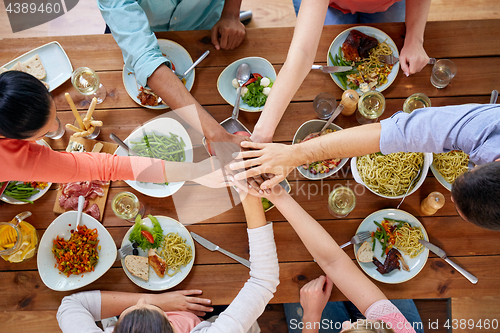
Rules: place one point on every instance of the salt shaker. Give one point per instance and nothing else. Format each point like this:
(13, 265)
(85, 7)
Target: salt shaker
(432, 203)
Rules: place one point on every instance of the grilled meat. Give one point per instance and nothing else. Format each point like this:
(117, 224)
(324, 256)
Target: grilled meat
(391, 262)
(357, 45)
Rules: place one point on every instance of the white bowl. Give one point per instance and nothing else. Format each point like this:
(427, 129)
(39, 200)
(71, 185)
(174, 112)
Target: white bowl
(225, 86)
(161, 126)
(427, 162)
(304, 130)
(62, 227)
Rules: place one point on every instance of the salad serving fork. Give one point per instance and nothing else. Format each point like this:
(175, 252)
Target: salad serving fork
(358, 238)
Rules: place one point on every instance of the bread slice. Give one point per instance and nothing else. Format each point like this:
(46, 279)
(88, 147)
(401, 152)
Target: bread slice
(19, 66)
(365, 253)
(137, 266)
(34, 66)
(159, 265)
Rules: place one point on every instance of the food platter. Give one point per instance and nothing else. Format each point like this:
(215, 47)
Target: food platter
(34, 197)
(226, 89)
(373, 32)
(156, 283)
(307, 128)
(396, 276)
(55, 61)
(175, 53)
(62, 227)
(422, 176)
(161, 126)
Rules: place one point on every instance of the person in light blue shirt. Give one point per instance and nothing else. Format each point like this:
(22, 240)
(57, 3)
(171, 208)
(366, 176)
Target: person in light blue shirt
(133, 23)
(474, 129)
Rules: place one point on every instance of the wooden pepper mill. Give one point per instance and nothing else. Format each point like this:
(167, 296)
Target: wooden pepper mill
(349, 101)
(432, 203)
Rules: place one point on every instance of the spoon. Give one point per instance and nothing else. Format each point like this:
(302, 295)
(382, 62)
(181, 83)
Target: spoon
(334, 115)
(203, 56)
(81, 202)
(242, 76)
(122, 144)
(494, 96)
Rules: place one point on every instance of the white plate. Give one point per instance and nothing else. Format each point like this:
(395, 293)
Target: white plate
(155, 282)
(423, 174)
(304, 130)
(54, 59)
(161, 126)
(225, 86)
(372, 32)
(13, 201)
(396, 276)
(174, 52)
(62, 227)
(440, 178)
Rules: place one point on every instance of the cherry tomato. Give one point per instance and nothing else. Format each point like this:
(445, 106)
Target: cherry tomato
(146, 234)
(257, 75)
(252, 80)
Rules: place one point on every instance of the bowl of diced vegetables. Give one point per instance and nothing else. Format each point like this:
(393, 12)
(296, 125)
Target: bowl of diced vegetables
(319, 169)
(255, 91)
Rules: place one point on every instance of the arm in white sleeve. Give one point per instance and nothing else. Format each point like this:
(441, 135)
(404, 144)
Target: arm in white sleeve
(79, 312)
(251, 301)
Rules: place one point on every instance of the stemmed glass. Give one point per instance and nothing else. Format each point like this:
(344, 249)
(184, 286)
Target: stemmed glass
(86, 82)
(127, 206)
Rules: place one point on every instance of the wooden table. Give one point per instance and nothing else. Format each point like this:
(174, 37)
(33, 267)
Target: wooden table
(473, 46)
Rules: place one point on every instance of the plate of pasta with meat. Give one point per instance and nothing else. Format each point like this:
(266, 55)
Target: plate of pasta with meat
(361, 47)
(393, 254)
(447, 167)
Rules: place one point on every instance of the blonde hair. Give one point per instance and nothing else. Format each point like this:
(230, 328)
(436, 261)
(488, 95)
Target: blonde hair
(369, 326)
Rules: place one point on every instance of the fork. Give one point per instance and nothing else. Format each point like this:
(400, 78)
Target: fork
(124, 251)
(409, 187)
(358, 238)
(182, 76)
(391, 59)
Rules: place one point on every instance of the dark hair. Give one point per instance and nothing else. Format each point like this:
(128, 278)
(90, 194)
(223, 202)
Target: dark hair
(24, 105)
(143, 321)
(477, 194)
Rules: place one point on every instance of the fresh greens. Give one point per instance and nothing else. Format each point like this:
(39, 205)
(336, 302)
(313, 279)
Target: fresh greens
(20, 191)
(161, 147)
(156, 231)
(338, 60)
(255, 96)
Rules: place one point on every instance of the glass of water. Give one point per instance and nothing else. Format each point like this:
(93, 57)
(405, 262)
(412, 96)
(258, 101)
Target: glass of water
(57, 130)
(341, 201)
(87, 83)
(442, 72)
(324, 104)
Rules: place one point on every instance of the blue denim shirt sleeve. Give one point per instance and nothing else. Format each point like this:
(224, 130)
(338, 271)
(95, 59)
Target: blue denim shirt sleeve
(130, 28)
(474, 128)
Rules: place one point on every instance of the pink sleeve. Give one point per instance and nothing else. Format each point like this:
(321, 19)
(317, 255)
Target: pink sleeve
(387, 312)
(28, 161)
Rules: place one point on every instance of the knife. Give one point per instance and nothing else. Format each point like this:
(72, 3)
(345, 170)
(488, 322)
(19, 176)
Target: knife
(441, 254)
(212, 247)
(332, 69)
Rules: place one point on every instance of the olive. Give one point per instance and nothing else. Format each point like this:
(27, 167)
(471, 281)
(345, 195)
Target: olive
(135, 245)
(135, 252)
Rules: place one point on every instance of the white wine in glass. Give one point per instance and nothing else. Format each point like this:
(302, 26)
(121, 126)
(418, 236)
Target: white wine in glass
(127, 206)
(87, 83)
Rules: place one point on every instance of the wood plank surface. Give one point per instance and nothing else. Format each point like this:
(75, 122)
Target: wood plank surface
(475, 314)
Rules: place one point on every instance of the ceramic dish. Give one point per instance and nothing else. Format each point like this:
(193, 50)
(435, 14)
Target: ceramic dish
(55, 61)
(34, 197)
(440, 178)
(175, 53)
(373, 32)
(224, 82)
(62, 227)
(304, 130)
(155, 282)
(396, 276)
(160, 126)
(423, 174)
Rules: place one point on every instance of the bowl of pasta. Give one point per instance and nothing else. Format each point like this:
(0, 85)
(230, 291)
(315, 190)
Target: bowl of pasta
(447, 167)
(390, 176)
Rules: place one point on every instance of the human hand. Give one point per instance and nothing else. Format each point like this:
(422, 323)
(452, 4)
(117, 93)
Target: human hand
(228, 33)
(314, 295)
(270, 158)
(209, 173)
(259, 137)
(182, 301)
(413, 58)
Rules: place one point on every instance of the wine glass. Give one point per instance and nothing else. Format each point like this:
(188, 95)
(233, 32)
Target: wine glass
(127, 206)
(86, 82)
